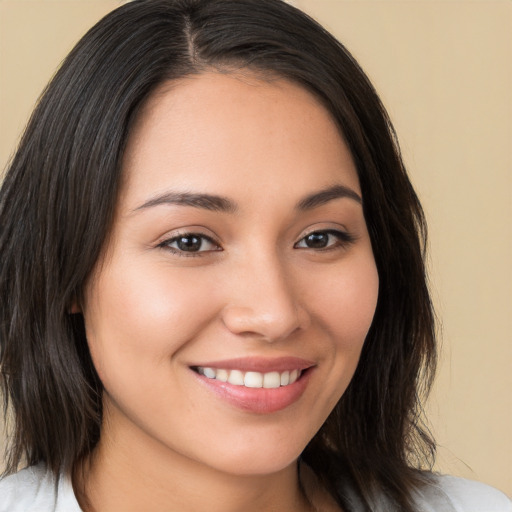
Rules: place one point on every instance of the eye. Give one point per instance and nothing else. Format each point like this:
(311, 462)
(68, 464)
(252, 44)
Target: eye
(190, 244)
(326, 239)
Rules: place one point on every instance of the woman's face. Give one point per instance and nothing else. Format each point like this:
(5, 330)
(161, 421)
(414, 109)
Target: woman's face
(239, 251)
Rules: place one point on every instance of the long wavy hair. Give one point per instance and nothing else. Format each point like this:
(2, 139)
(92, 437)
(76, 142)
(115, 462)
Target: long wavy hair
(56, 210)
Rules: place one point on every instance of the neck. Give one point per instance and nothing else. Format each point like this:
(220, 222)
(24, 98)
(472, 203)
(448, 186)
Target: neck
(129, 472)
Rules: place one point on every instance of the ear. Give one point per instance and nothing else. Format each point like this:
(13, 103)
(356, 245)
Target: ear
(74, 308)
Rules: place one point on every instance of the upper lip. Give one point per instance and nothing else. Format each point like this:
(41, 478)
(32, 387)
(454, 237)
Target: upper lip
(259, 364)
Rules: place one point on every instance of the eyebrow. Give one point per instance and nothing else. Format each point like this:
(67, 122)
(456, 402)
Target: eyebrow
(210, 202)
(326, 195)
(217, 203)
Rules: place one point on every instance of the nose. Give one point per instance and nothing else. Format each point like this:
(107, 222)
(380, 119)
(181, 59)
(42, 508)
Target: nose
(263, 302)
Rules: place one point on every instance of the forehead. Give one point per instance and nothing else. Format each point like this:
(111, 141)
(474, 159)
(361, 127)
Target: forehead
(233, 133)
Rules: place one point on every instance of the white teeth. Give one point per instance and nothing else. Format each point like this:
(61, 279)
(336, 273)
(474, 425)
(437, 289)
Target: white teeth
(222, 375)
(271, 380)
(209, 372)
(236, 377)
(251, 379)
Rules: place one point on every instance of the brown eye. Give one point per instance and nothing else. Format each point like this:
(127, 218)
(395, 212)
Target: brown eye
(325, 240)
(317, 240)
(191, 243)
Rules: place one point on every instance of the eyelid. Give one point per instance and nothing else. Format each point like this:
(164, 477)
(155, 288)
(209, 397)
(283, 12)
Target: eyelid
(343, 236)
(164, 242)
(195, 229)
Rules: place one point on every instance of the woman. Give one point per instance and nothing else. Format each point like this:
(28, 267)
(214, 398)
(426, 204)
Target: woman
(212, 284)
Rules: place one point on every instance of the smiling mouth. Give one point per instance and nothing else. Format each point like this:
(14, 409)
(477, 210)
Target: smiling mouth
(251, 379)
(255, 384)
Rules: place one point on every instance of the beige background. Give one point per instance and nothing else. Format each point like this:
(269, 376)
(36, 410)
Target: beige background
(443, 68)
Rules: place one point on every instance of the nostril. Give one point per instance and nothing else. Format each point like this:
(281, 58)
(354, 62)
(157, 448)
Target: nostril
(269, 325)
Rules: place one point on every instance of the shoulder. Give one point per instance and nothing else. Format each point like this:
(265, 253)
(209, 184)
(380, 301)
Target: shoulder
(453, 494)
(34, 489)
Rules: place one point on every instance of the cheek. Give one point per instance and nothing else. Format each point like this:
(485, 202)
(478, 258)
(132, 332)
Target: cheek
(139, 313)
(345, 304)
(341, 300)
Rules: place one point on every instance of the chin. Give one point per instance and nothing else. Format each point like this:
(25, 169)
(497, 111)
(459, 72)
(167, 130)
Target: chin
(255, 459)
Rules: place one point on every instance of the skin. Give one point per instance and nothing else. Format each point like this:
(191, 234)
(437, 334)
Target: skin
(256, 290)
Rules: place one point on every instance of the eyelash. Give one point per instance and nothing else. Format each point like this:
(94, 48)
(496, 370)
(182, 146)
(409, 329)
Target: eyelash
(188, 254)
(343, 240)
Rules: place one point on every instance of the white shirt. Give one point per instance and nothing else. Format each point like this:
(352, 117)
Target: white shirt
(35, 489)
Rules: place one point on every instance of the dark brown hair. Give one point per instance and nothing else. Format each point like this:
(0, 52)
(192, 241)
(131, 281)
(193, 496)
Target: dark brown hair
(56, 210)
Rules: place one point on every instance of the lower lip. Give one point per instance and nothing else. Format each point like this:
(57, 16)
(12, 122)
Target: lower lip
(258, 400)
